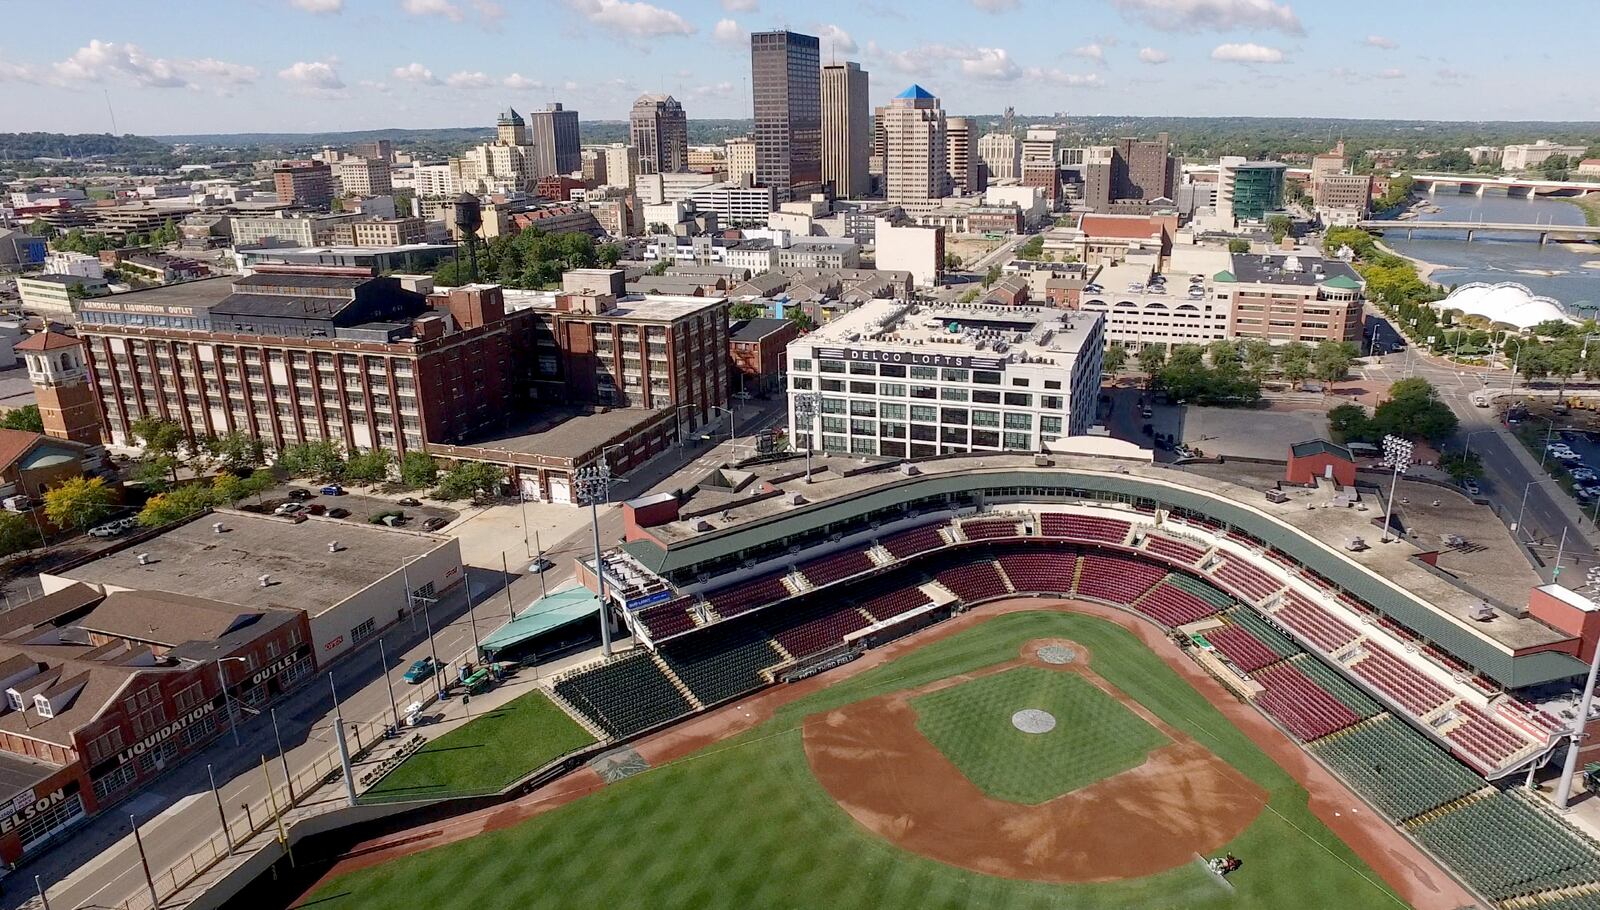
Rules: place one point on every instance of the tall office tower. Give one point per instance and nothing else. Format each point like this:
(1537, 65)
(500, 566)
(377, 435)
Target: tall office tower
(846, 130)
(960, 160)
(1040, 166)
(554, 132)
(786, 84)
(511, 129)
(880, 145)
(658, 128)
(914, 148)
(1001, 154)
(1147, 170)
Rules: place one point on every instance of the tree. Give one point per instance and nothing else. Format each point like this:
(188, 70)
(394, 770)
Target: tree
(321, 459)
(1462, 466)
(1349, 423)
(1238, 245)
(1116, 357)
(17, 533)
(1279, 225)
(1414, 410)
(1331, 360)
(1555, 167)
(228, 488)
(155, 473)
(467, 480)
(418, 469)
(802, 319)
(238, 452)
(1152, 357)
(1032, 249)
(974, 294)
(159, 436)
(1563, 362)
(79, 502)
(609, 255)
(1222, 351)
(952, 261)
(369, 467)
(1295, 361)
(745, 309)
(991, 276)
(1259, 357)
(176, 505)
(27, 418)
(660, 268)
(1188, 355)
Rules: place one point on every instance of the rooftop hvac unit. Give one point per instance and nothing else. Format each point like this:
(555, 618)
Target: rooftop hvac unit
(333, 546)
(1355, 545)
(1483, 612)
(216, 527)
(144, 558)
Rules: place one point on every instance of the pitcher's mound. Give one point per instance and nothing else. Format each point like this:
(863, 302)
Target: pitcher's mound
(1032, 720)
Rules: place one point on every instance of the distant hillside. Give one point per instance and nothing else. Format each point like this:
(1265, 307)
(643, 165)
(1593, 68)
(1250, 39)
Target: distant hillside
(435, 141)
(25, 146)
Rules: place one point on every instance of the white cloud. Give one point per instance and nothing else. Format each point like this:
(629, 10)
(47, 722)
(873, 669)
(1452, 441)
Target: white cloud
(381, 88)
(638, 19)
(1387, 44)
(318, 6)
(1151, 55)
(728, 32)
(1091, 52)
(832, 36)
(1062, 78)
(318, 74)
(466, 80)
(443, 8)
(1392, 73)
(1213, 15)
(17, 72)
(1246, 53)
(996, 6)
(519, 82)
(488, 11)
(739, 6)
(990, 63)
(415, 72)
(916, 62)
(102, 60)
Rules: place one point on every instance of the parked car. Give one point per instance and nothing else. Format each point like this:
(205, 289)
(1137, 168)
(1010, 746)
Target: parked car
(339, 513)
(1582, 473)
(408, 501)
(289, 508)
(110, 529)
(298, 494)
(421, 670)
(333, 489)
(435, 523)
(316, 508)
(1471, 486)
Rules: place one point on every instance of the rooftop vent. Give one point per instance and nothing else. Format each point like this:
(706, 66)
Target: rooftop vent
(333, 546)
(217, 528)
(1483, 612)
(795, 499)
(144, 559)
(266, 581)
(1355, 545)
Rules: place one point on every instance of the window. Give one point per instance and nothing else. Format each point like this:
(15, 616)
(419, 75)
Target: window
(1050, 425)
(863, 446)
(1052, 383)
(924, 391)
(985, 418)
(892, 411)
(863, 388)
(953, 393)
(833, 443)
(1052, 402)
(1019, 399)
(891, 389)
(833, 366)
(833, 385)
(985, 377)
(892, 369)
(864, 427)
(1020, 381)
(832, 406)
(921, 413)
(113, 781)
(863, 409)
(924, 431)
(1019, 441)
(986, 396)
(892, 430)
(362, 631)
(924, 373)
(953, 415)
(954, 375)
(953, 435)
(987, 438)
(800, 382)
(833, 424)
(1019, 421)
(858, 368)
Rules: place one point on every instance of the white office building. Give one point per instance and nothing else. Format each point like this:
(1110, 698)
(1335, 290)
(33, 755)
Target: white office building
(734, 204)
(900, 379)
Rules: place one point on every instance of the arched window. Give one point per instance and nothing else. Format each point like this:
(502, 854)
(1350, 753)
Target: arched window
(66, 361)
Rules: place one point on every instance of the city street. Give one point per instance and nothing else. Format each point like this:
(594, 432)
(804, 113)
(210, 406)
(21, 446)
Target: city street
(99, 865)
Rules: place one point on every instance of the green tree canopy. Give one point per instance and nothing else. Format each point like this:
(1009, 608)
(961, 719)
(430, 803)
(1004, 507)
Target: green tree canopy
(177, 504)
(1238, 245)
(1033, 248)
(323, 459)
(418, 469)
(369, 467)
(17, 533)
(79, 502)
(745, 309)
(467, 480)
(1116, 357)
(23, 418)
(159, 436)
(1152, 358)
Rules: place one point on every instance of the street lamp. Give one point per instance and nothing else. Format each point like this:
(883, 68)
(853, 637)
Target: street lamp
(233, 722)
(805, 408)
(1398, 452)
(1467, 453)
(1517, 525)
(732, 422)
(594, 484)
(1549, 431)
(411, 600)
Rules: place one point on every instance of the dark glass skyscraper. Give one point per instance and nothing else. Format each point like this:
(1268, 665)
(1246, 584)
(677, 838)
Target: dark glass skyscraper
(786, 82)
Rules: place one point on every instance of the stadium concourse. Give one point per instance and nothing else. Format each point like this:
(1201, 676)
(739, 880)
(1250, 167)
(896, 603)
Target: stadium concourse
(1432, 673)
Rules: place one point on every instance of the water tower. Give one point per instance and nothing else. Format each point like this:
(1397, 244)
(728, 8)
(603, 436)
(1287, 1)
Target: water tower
(469, 219)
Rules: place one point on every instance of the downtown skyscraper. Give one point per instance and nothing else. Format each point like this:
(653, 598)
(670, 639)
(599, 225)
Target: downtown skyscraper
(786, 85)
(846, 130)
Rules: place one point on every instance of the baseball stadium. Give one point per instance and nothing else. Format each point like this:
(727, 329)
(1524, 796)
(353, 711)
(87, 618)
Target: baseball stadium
(1046, 681)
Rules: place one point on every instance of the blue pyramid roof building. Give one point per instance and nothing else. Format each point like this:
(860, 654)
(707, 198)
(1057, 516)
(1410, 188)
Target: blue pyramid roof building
(917, 92)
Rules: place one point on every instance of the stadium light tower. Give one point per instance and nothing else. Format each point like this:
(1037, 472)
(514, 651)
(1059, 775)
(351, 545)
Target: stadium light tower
(594, 485)
(1564, 789)
(805, 408)
(1398, 452)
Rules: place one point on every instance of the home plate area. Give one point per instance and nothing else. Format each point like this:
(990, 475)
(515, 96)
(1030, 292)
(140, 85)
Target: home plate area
(1036, 769)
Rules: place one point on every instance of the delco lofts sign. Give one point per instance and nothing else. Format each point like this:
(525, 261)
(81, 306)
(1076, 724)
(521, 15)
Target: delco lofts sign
(911, 358)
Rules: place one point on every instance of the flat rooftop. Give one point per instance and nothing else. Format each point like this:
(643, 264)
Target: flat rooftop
(952, 329)
(202, 293)
(1294, 268)
(192, 559)
(1489, 562)
(565, 432)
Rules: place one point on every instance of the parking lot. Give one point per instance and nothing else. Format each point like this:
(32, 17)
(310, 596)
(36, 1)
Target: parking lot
(359, 506)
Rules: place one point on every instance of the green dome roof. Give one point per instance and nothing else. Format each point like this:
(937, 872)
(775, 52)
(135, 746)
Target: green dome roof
(1343, 283)
(1223, 275)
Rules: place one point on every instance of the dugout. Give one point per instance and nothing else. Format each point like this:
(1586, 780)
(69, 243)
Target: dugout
(550, 626)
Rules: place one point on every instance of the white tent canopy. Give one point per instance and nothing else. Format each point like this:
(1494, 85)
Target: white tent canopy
(1506, 303)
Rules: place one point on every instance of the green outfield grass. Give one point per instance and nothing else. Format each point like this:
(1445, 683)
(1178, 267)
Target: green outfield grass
(486, 754)
(743, 823)
(1094, 736)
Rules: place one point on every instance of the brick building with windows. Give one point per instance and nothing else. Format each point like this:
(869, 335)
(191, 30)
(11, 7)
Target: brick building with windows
(760, 351)
(1284, 299)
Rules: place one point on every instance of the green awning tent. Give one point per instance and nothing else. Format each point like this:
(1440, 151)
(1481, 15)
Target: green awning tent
(547, 614)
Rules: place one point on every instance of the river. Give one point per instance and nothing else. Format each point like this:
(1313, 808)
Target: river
(1553, 270)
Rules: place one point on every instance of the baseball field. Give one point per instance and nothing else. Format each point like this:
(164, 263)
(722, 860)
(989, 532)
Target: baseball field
(1031, 758)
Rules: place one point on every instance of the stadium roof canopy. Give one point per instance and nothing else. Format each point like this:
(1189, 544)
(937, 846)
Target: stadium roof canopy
(1507, 303)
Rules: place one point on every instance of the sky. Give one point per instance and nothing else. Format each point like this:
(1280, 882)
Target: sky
(318, 65)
